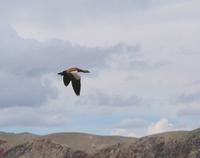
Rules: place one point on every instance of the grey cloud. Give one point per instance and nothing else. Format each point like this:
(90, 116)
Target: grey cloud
(70, 7)
(29, 57)
(143, 65)
(101, 99)
(31, 117)
(132, 59)
(194, 83)
(189, 98)
(23, 91)
(189, 111)
(62, 13)
(23, 62)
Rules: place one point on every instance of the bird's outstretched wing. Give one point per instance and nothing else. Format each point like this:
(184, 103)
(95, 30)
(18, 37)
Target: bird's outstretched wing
(66, 79)
(76, 83)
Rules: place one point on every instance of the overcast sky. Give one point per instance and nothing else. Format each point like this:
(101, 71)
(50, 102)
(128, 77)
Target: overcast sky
(143, 56)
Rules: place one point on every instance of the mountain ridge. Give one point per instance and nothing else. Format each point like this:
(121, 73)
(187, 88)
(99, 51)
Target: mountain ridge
(174, 144)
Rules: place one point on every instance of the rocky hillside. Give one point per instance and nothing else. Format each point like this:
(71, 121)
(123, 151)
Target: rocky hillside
(167, 145)
(58, 145)
(179, 144)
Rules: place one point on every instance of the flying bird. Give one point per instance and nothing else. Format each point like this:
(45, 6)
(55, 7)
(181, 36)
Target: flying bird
(72, 75)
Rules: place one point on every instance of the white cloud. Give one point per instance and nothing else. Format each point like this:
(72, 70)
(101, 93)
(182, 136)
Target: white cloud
(162, 125)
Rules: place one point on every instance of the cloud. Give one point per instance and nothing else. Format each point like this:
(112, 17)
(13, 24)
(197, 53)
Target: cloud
(189, 110)
(163, 125)
(195, 83)
(105, 22)
(17, 90)
(25, 63)
(36, 11)
(103, 99)
(189, 98)
(31, 117)
(30, 57)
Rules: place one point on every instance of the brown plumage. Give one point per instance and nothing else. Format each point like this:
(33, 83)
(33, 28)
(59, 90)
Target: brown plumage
(72, 75)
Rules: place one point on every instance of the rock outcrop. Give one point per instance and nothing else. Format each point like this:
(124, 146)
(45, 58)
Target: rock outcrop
(166, 145)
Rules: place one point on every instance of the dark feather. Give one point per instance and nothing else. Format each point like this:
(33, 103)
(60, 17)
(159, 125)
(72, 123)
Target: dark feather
(66, 79)
(76, 84)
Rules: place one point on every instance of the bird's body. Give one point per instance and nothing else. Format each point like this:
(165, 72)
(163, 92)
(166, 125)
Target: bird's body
(72, 75)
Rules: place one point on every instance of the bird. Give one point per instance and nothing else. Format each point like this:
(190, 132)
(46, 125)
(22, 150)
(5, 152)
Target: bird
(71, 74)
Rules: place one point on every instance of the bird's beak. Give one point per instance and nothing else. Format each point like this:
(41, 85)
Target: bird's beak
(84, 71)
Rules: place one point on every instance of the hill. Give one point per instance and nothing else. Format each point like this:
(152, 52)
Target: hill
(178, 144)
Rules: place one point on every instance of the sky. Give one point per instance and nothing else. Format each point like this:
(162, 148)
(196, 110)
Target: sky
(143, 56)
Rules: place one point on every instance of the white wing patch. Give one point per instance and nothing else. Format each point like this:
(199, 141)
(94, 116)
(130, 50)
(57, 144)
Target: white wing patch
(76, 75)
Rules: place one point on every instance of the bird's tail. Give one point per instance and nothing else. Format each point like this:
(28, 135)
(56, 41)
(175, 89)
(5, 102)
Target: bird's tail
(61, 73)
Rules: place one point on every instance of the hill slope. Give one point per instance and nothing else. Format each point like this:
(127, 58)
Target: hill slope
(179, 144)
